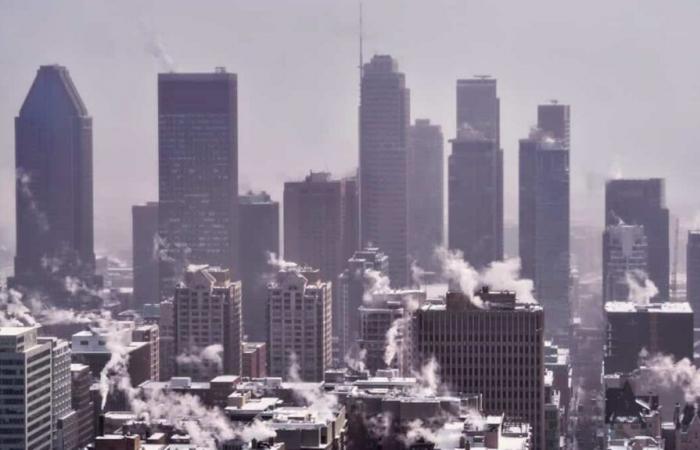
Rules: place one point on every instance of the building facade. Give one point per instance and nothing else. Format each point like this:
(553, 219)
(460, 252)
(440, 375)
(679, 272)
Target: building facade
(384, 123)
(352, 284)
(693, 273)
(625, 254)
(664, 328)
(81, 402)
(496, 351)
(475, 205)
(259, 238)
(544, 225)
(145, 253)
(197, 173)
(26, 416)
(643, 202)
(554, 120)
(425, 192)
(207, 308)
(299, 324)
(53, 157)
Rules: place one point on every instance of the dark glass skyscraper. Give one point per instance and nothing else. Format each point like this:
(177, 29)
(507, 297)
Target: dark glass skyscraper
(384, 122)
(53, 155)
(544, 225)
(693, 273)
(643, 202)
(260, 231)
(475, 221)
(478, 118)
(198, 172)
(144, 253)
(425, 192)
(554, 120)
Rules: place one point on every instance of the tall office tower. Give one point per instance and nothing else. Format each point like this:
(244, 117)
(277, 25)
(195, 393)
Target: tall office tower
(643, 202)
(380, 313)
(145, 253)
(351, 217)
(81, 380)
(496, 350)
(260, 237)
(26, 396)
(554, 120)
(299, 323)
(475, 198)
(198, 172)
(425, 192)
(384, 122)
(479, 109)
(315, 223)
(352, 284)
(64, 421)
(53, 157)
(625, 255)
(665, 328)
(208, 312)
(544, 225)
(693, 273)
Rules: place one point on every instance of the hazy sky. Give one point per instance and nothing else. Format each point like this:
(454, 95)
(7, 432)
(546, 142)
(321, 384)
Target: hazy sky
(629, 69)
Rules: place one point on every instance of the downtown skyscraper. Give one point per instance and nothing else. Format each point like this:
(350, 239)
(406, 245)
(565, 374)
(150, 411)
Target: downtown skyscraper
(53, 157)
(643, 202)
(198, 172)
(144, 237)
(384, 122)
(425, 192)
(544, 224)
(625, 255)
(693, 273)
(475, 174)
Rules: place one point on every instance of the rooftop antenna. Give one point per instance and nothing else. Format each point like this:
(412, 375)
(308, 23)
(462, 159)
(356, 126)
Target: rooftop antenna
(361, 43)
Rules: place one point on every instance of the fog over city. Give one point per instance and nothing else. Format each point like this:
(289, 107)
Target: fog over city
(625, 67)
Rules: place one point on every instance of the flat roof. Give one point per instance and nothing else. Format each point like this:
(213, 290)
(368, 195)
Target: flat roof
(15, 331)
(660, 307)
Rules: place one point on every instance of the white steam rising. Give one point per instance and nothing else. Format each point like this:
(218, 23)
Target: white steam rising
(641, 288)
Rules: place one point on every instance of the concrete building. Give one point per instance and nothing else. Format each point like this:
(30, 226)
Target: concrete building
(299, 325)
(554, 120)
(151, 335)
(145, 253)
(259, 237)
(693, 273)
(64, 420)
(380, 313)
(352, 284)
(496, 351)
(93, 347)
(197, 173)
(26, 396)
(665, 328)
(544, 225)
(81, 403)
(315, 222)
(426, 179)
(53, 157)
(625, 254)
(384, 123)
(208, 312)
(254, 359)
(475, 198)
(643, 202)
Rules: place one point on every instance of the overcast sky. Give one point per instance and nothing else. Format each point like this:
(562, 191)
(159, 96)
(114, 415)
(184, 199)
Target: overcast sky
(629, 69)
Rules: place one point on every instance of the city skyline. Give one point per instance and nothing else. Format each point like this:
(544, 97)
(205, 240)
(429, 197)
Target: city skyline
(433, 92)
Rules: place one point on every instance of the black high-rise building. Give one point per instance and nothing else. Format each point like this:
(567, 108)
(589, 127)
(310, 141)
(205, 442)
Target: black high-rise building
(475, 221)
(693, 273)
(145, 253)
(198, 172)
(384, 122)
(554, 120)
(53, 156)
(425, 192)
(544, 225)
(479, 115)
(643, 202)
(259, 238)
